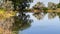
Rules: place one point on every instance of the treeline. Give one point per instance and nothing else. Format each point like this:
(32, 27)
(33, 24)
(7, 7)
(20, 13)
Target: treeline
(50, 5)
(19, 5)
(15, 4)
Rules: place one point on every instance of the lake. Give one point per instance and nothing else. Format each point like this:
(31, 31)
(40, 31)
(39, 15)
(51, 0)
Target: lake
(32, 23)
(48, 23)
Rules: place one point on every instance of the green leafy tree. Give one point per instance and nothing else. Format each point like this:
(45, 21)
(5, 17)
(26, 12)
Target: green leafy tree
(21, 4)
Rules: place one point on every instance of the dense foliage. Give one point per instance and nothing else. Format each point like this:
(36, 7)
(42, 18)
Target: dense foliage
(45, 8)
(21, 4)
(58, 5)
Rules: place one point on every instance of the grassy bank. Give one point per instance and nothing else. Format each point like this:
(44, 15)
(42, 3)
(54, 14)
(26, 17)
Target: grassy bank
(57, 10)
(7, 14)
(44, 10)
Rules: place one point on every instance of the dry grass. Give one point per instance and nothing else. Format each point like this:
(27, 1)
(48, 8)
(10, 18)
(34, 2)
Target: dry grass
(57, 10)
(6, 14)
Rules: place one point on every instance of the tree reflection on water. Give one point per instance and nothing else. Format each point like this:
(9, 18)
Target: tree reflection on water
(14, 24)
(41, 15)
(21, 22)
(52, 15)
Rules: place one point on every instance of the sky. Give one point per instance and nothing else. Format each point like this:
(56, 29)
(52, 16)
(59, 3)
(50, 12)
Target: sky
(44, 2)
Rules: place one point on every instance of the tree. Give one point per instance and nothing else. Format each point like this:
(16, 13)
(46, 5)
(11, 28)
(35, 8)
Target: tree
(45, 9)
(52, 5)
(58, 5)
(39, 5)
(21, 4)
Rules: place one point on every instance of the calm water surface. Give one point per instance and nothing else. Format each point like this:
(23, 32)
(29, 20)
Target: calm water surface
(43, 24)
(31, 23)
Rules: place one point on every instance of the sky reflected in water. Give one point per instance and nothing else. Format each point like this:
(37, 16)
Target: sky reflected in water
(43, 26)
